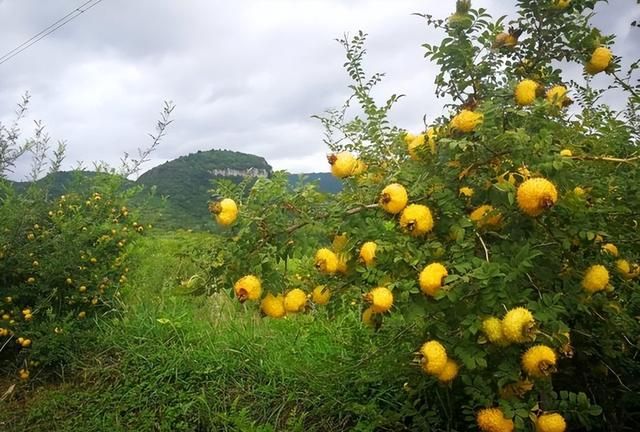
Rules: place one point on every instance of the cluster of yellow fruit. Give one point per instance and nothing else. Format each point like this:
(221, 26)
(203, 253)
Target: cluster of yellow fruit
(527, 91)
(435, 362)
(414, 218)
(225, 211)
(493, 420)
(416, 142)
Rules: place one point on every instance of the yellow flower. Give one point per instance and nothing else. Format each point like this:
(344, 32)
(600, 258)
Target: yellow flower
(557, 95)
(550, 423)
(493, 420)
(343, 164)
(517, 325)
(416, 219)
(600, 60)
(449, 372)
(295, 300)
(368, 253)
(536, 195)
(321, 295)
(539, 361)
(525, 92)
(610, 248)
(381, 299)
(432, 278)
(466, 121)
(326, 261)
(434, 357)
(466, 191)
(273, 306)
(566, 153)
(394, 198)
(485, 216)
(595, 279)
(492, 329)
(226, 211)
(248, 288)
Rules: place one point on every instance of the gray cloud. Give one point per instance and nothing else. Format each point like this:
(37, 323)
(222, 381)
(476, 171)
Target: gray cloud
(245, 75)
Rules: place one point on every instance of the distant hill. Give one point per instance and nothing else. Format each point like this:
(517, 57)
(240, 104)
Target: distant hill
(180, 186)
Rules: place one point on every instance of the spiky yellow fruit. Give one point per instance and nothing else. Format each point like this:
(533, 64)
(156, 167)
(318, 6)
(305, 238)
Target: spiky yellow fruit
(273, 306)
(561, 4)
(248, 288)
(539, 361)
(600, 60)
(432, 278)
(492, 329)
(321, 295)
(610, 248)
(295, 300)
(225, 211)
(517, 325)
(557, 95)
(434, 357)
(394, 198)
(504, 39)
(595, 278)
(493, 420)
(381, 299)
(343, 164)
(449, 372)
(342, 263)
(415, 142)
(627, 270)
(368, 253)
(525, 92)
(466, 191)
(551, 423)
(417, 219)
(326, 261)
(485, 216)
(536, 195)
(566, 153)
(466, 121)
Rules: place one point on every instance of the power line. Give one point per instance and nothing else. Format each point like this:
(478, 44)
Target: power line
(47, 31)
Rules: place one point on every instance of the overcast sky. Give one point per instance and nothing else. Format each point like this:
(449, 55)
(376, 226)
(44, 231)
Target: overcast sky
(245, 75)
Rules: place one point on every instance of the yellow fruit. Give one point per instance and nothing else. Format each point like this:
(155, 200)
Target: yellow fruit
(26, 311)
(595, 278)
(26, 343)
(626, 270)
(539, 361)
(517, 389)
(343, 164)
(557, 95)
(342, 263)
(578, 191)
(566, 153)
(492, 329)
(600, 60)
(368, 253)
(381, 299)
(393, 198)
(272, 306)
(82, 315)
(23, 374)
(339, 242)
(82, 289)
(432, 278)
(517, 325)
(466, 191)
(417, 219)
(561, 4)
(485, 216)
(295, 300)
(321, 295)
(434, 357)
(449, 372)
(226, 211)
(367, 317)
(415, 142)
(506, 40)
(551, 423)
(610, 248)
(326, 261)
(466, 121)
(525, 92)
(248, 288)
(536, 195)
(493, 420)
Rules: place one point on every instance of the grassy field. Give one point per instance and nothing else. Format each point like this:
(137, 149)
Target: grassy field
(184, 363)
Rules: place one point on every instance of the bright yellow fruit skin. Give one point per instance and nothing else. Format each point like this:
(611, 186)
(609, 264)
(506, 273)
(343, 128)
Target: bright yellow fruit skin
(539, 361)
(368, 253)
(561, 4)
(417, 219)
(394, 198)
(434, 357)
(595, 279)
(295, 300)
(248, 288)
(326, 261)
(449, 372)
(566, 153)
(273, 306)
(414, 142)
(536, 195)
(226, 211)
(321, 295)
(551, 423)
(343, 164)
(493, 420)
(516, 325)
(525, 92)
(381, 299)
(466, 121)
(466, 191)
(557, 95)
(600, 59)
(432, 278)
(492, 329)
(611, 249)
(367, 317)
(485, 217)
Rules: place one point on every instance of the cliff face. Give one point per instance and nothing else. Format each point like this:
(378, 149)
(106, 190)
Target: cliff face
(233, 172)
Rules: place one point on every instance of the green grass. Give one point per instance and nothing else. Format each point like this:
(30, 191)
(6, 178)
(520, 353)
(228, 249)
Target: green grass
(182, 363)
